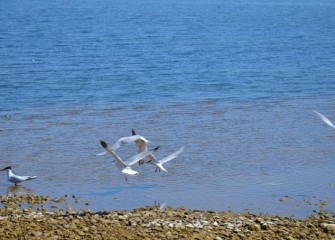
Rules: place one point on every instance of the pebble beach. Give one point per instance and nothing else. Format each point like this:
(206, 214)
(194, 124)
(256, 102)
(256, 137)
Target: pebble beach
(28, 217)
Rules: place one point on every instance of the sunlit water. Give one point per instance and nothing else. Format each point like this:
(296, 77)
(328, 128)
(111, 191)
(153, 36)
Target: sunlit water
(235, 83)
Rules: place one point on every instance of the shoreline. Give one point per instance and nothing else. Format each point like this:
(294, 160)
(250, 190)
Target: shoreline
(43, 217)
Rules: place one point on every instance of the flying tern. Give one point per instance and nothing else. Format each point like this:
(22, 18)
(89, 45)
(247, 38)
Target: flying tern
(159, 164)
(142, 146)
(125, 140)
(15, 178)
(124, 166)
(326, 120)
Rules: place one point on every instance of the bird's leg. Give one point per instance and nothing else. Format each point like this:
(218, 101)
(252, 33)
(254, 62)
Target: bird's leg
(125, 176)
(156, 169)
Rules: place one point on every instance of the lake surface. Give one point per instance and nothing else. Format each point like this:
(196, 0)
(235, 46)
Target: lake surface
(234, 82)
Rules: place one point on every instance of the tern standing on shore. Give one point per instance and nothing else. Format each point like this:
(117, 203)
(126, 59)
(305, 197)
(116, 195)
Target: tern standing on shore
(15, 178)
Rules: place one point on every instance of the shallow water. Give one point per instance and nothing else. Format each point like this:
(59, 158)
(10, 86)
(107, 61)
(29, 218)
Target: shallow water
(238, 155)
(235, 83)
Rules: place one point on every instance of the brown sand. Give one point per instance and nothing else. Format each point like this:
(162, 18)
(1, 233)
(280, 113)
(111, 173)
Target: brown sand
(26, 217)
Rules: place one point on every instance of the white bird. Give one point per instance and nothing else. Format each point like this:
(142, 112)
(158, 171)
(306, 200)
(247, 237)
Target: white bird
(141, 144)
(125, 140)
(159, 164)
(326, 120)
(124, 166)
(15, 178)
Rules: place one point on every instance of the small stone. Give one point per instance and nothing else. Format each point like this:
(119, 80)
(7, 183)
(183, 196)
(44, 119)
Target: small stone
(37, 234)
(328, 227)
(179, 225)
(255, 227)
(189, 225)
(123, 217)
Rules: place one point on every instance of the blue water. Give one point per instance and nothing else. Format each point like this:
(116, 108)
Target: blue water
(235, 82)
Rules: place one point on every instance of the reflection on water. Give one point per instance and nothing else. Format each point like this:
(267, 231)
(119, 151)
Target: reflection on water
(18, 190)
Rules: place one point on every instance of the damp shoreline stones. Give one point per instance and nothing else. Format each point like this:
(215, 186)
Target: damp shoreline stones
(27, 217)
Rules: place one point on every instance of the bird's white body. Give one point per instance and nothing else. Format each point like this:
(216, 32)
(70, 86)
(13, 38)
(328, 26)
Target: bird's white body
(16, 178)
(129, 171)
(142, 146)
(141, 143)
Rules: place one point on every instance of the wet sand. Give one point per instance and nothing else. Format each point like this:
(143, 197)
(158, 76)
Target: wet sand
(42, 217)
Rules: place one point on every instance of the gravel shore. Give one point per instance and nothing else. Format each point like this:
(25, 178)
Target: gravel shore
(27, 217)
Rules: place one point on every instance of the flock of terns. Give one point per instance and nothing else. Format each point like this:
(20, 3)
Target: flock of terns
(124, 166)
(141, 157)
(141, 143)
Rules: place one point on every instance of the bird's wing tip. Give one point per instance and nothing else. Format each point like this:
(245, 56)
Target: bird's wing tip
(100, 154)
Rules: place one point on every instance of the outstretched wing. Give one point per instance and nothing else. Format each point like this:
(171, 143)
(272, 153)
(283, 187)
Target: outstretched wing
(138, 157)
(125, 140)
(171, 156)
(119, 163)
(153, 159)
(326, 120)
(24, 178)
